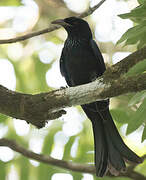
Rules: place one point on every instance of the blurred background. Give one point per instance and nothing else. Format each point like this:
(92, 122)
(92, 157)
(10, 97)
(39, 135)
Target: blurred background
(32, 66)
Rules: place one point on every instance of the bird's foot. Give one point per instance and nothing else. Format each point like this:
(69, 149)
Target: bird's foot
(62, 87)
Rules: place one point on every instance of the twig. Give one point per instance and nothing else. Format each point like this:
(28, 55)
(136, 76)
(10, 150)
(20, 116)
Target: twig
(47, 159)
(28, 36)
(49, 29)
(63, 164)
(91, 10)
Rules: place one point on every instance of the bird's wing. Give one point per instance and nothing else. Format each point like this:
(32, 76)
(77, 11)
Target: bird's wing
(98, 56)
(63, 68)
(100, 70)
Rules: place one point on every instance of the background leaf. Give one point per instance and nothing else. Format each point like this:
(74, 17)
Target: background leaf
(137, 98)
(137, 33)
(144, 133)
(138, 118)
(10, 2)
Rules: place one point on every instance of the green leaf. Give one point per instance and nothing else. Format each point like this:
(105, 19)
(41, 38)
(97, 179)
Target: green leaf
(10, 2)
(24, 167)
(141, 168)
(49, 139)
(137, 12)
(3, 172)
(67, 149)
(142, 41)
(137, 98)
(136, 34)
(144, 134)
(133, 32)
(138, 68)
(77, 175)
(3, 118)
(141, 1)
(34, 81)
(120, 115)
(131, 41)
(44, 170)
(137, 118)
(40, 70)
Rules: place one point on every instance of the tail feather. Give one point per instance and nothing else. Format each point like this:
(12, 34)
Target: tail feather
(117, 140)
(100, 146)
(110, 150)
(115, 158)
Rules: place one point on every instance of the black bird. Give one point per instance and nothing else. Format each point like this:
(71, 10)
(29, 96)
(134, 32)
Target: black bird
(81, 62)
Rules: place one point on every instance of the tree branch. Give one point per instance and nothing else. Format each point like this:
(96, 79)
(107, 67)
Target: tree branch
(37, 109)
(91, 10)
(47, 159)
(125, 64)
(62, 163)
(29, 35)
(49, 29)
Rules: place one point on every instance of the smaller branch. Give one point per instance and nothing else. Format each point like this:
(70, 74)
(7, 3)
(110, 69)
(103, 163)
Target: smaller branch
(133, 166)
(72, 166)
(123, 66)
(28, 36)
(91, 10)
(134, 175)
(49, 29)
(47, 159)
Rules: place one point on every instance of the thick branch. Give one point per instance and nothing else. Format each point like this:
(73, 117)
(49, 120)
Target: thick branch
(64, 164)
(38, 108)
(51, 28)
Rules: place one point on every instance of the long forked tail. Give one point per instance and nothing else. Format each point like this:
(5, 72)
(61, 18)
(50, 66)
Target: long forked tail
(116, 140)
(100, 148)
(110, 150)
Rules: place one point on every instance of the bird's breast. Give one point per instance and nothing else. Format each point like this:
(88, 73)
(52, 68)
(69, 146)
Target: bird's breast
(80, 63)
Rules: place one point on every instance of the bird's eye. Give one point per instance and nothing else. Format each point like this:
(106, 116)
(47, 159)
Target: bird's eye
(75, 22)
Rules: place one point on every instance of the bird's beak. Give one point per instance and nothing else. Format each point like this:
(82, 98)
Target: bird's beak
(60, 22)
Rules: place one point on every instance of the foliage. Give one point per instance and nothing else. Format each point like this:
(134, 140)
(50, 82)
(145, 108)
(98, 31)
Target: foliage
(10, 3)
(136, 35)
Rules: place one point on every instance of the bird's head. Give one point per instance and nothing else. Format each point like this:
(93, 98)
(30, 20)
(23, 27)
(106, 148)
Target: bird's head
(75, 27)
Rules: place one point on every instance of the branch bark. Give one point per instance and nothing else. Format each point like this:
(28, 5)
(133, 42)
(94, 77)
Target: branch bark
(65, 164)
(37, 109)
(49, 29)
